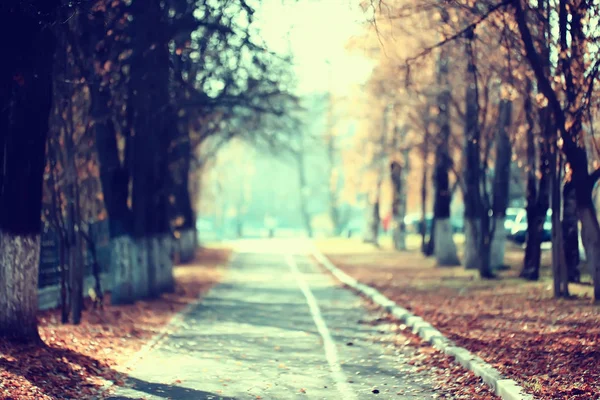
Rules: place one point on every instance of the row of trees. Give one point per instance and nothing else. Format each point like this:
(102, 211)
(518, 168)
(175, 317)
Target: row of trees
(473, 88)
(122, 95)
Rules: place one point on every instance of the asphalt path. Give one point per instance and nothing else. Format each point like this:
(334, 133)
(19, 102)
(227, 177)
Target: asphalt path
(278, 327)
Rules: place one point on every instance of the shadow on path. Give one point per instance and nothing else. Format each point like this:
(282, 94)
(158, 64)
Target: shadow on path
(167, 391)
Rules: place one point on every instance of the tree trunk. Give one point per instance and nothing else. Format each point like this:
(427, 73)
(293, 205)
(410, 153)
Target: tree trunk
(153, 121)
(306, 218)
(424, 176)
(537, 207)
(25, 103)
(123, 260)
(76, 262)
(537, 199)
(590, 235)
(19, 257)
(187, 245)
(373, 222)
(181, 209)
(64, 285)
(474, 209)
(397, 208)
(334, 201)
(559, 266)
(471, 251)
(444, 246)
(501, 185)
(570, 232)
(115, 180)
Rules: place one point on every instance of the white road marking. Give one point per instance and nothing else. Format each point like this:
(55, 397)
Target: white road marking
(337, 372)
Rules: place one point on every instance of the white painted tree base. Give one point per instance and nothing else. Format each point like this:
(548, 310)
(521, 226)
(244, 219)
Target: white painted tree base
(399, 237)
(444, 246)
(591, 244)
(167, 280)
(123, 261)
(498, 245)
(19, 270)
(471, 256)
(160, 265)
(186, 245)
(140, 257)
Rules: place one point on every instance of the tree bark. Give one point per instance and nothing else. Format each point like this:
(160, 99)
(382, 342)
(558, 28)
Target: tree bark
(334, 201)
(373, 222)
(538, 201)
(25, 103)
(115, 175)
(476, 230)
(306, 218)
(397, 208)
(153, 120)
(425, 173)
(501, 185)
(430, 245)
(570, 232)
(559, 267)
(568, 117)
(590, 235)
(181, 209)
(444, 246)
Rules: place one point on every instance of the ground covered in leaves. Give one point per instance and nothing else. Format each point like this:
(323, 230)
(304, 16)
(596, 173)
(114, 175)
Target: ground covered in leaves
(453, 381)
(76, 361)
(551, 347)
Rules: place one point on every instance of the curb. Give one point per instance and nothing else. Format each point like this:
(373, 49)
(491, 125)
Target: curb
(169, 328)
(507, 389)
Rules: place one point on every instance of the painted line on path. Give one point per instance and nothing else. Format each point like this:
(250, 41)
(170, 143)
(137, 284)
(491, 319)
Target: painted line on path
(337, 373)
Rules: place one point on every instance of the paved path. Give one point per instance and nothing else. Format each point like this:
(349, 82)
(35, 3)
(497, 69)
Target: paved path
(277, 327)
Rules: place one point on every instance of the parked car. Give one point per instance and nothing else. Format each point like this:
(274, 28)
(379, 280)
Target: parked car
(412, 222)
(511, 216)
(353, 228)
(518, 231)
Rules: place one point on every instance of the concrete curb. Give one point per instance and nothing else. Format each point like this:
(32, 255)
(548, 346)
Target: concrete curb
(169, 328)
(507, 389)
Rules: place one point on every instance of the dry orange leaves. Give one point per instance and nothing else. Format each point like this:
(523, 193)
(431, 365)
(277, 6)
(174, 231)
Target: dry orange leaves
(76, 361)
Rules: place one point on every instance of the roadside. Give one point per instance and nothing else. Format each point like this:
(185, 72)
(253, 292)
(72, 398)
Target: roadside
(78, 360)
(550, 347)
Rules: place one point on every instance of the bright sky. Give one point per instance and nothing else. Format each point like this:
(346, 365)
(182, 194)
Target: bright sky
(316, 31)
